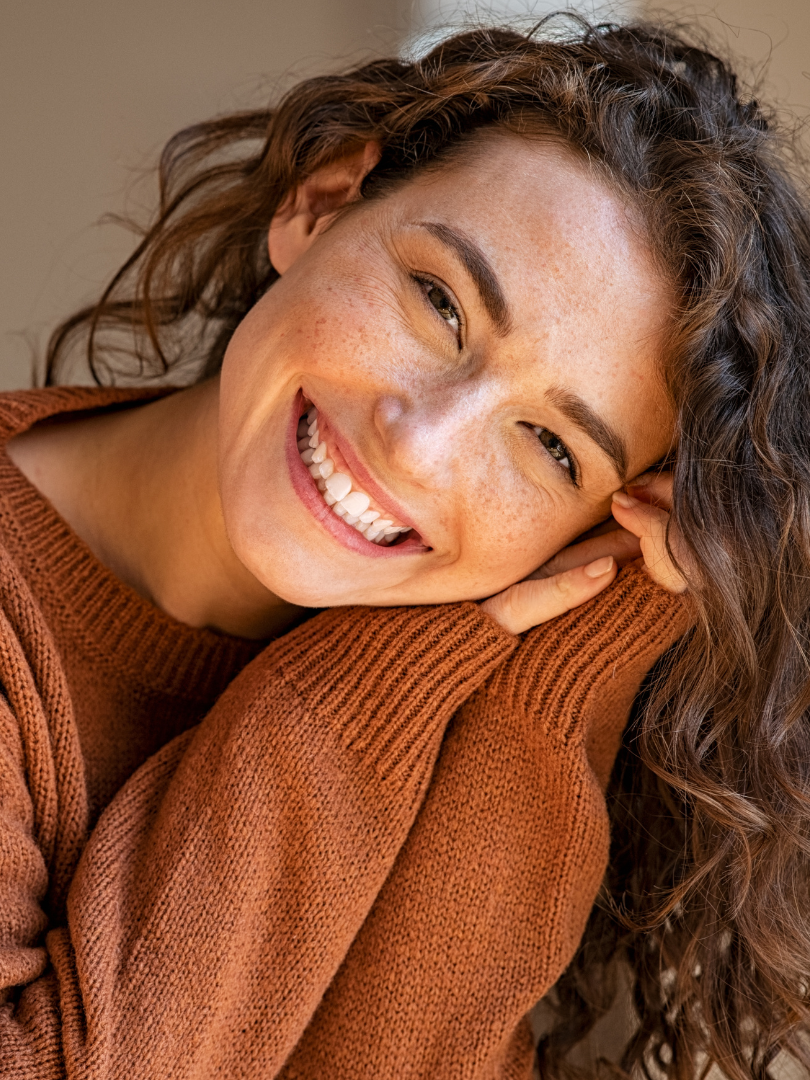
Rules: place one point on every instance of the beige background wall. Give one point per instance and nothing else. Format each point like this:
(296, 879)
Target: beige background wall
(90, 90)
(772, 38)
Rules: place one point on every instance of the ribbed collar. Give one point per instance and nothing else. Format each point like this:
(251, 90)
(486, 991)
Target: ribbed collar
(116, 625)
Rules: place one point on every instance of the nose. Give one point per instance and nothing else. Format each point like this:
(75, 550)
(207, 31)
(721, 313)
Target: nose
(428, 437)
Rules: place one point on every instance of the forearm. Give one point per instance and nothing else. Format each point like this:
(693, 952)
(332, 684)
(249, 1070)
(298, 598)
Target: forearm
(490, 894)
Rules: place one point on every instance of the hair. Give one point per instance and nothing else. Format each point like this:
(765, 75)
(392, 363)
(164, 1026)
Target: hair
(707, 897)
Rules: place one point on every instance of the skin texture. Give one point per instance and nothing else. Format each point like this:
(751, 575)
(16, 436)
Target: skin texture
(439, 410)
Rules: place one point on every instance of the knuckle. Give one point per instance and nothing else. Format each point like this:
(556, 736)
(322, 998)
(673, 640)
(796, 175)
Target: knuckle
(564, 587)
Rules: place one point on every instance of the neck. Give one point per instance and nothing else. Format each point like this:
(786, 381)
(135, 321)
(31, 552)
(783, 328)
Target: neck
(140, 488)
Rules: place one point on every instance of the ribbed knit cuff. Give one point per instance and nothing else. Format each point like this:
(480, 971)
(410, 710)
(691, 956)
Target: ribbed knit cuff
(390, 678)
(564, 663)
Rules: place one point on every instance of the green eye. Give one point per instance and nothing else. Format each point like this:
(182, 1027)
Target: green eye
(555, 446)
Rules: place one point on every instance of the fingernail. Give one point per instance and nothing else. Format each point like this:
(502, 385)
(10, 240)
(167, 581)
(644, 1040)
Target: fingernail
(625, 500)
(600, 567)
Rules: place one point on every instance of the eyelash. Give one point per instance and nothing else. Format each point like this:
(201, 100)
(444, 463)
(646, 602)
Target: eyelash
(427, 285)
(571, 469)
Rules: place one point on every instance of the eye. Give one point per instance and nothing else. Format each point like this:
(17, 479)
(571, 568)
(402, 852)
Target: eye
(438, 299)
(557, 449)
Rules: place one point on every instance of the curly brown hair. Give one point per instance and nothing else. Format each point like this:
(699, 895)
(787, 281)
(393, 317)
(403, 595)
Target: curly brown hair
(707, 895)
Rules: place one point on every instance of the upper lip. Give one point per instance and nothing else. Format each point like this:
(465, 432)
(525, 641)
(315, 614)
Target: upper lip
(364, 477)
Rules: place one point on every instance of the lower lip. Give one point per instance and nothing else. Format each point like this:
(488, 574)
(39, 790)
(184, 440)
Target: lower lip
(308, 493)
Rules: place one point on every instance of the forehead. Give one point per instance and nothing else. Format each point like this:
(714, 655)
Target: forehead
(553, 227)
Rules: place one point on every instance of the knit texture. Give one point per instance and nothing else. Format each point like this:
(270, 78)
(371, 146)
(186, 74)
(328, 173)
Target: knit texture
(366, 848)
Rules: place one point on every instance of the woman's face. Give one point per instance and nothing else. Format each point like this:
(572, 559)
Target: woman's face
(482, 347)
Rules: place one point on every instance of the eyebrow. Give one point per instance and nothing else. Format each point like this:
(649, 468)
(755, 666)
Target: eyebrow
(478, 267)
(579, 412)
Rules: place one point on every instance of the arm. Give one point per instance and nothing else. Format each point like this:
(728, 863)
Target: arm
(490, 894)
(222, 887)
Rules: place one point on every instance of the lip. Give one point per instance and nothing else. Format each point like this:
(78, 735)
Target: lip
(305, 489)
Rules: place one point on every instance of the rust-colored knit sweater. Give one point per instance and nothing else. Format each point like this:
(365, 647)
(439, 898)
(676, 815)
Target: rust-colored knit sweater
(365, 850)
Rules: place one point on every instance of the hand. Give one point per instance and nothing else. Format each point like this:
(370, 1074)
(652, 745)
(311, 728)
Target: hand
(572, 577)
(582, 570)
(644, 511)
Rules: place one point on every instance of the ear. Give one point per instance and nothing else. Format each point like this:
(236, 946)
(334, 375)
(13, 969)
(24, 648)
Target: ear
(310, 207)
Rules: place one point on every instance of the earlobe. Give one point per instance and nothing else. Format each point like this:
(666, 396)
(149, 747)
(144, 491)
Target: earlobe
(313, 204)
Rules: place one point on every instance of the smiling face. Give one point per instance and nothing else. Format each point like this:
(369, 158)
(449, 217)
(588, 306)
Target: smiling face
(480, 351)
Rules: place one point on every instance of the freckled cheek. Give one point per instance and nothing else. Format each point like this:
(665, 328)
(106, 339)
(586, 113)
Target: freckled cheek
(348, 337)
(500, 530)
(509, 528)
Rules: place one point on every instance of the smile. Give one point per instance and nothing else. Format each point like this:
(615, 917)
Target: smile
(337, 496)
(339, 490)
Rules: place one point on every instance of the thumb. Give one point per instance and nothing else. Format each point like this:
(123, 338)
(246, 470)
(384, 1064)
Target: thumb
(535, 601)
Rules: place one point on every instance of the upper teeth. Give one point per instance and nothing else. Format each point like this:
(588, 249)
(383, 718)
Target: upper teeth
(350, 504)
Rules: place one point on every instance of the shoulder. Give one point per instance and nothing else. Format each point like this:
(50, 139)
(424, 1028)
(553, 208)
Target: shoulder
(20, 410)
(30, 527)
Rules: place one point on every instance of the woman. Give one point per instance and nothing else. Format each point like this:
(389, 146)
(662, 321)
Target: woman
(465, 310)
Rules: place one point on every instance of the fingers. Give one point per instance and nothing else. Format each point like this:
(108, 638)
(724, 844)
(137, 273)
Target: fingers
(653, 487)
(537, 600)
(582, 570)
(621, 544)
(606, 526)
(649, 523)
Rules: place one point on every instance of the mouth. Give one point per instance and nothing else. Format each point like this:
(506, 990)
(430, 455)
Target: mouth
(332, 491)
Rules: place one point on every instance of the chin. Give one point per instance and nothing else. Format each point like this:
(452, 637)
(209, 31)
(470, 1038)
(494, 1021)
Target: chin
(299, 573)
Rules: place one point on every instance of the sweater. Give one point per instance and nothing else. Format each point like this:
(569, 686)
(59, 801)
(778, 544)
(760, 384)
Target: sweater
(363, 849)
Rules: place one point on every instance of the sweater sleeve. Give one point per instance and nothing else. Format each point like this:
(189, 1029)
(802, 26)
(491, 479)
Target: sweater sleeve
(222, 887)
(489, 895)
